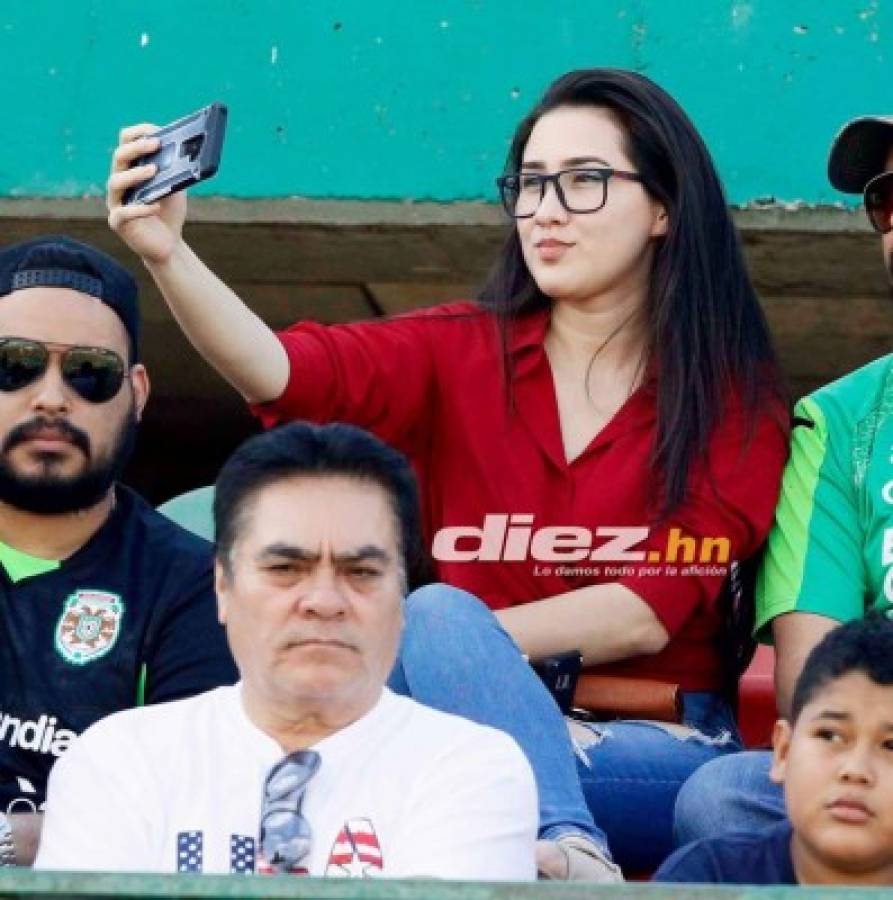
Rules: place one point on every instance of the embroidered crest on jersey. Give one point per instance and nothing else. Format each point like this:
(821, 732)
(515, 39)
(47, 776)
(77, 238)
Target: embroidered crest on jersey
(356, 852)
(89, 625)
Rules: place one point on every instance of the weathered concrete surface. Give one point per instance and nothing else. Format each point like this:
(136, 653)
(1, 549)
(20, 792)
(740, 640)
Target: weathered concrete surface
(819, 272)
(17, 883)
(350, 99)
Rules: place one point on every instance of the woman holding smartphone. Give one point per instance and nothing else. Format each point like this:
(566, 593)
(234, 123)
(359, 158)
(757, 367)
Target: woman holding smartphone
(609, 403)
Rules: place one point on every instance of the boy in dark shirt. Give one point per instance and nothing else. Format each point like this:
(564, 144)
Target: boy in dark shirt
(835, 761)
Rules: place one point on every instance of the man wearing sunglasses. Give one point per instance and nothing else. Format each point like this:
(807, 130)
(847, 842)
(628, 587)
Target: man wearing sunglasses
(310, 765)
(829, 557)
(104, 603)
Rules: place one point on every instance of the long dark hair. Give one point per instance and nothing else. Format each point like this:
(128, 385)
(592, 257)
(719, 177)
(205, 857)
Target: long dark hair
(708, 334)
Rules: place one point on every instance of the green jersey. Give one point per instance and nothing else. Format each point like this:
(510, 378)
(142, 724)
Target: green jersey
(830, 551)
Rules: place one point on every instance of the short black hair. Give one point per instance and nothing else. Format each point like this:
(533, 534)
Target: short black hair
(337, 450)
(864, 645)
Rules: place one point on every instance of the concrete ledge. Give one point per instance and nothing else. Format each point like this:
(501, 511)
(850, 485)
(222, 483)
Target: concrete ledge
(792, 249)
(298, 210)
(25, 883)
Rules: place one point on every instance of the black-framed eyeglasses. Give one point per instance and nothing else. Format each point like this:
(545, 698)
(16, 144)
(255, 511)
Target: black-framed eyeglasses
(578, 190)
(284, 833)
(95, 373)
(878, 196)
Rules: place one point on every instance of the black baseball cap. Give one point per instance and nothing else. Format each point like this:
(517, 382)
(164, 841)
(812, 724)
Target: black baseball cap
(58, 261)
(859, 152)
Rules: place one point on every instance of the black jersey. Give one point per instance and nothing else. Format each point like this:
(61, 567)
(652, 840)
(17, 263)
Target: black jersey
(129, 618)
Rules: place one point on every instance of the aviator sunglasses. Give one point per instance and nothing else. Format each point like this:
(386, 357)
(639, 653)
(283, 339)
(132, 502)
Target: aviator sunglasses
(879, 202)
(94, 373)
(284, 832)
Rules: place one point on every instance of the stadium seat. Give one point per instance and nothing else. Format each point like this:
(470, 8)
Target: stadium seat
(192, 510)
(756, 699)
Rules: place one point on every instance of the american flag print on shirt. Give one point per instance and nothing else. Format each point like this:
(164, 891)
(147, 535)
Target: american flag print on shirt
(356, 852)
(241, 854)
(190, 851)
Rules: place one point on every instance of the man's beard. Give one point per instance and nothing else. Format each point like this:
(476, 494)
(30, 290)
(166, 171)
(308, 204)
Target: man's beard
(49, 494)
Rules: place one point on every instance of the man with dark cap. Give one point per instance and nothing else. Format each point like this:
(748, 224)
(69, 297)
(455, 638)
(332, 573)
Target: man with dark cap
(829, 558)
(104, 603)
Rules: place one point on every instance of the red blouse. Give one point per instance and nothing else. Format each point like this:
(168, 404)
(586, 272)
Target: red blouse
(510, 520)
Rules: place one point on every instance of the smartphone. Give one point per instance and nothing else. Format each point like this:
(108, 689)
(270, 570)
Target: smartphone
(559, 674)
(189, 152)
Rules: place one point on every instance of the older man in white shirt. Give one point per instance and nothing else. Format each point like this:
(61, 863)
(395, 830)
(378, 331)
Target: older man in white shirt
(309, 765)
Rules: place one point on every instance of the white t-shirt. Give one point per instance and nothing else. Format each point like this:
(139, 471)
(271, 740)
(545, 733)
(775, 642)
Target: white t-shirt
(404, 791)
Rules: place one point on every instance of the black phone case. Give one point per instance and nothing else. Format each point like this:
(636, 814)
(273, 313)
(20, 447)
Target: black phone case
(559, 674)
(189, 152)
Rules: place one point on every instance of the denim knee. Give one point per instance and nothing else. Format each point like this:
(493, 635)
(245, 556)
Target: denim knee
(444, 605)
(699, 801)
(722, 795)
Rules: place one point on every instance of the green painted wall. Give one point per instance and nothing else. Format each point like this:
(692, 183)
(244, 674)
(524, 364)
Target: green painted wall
(384, 99)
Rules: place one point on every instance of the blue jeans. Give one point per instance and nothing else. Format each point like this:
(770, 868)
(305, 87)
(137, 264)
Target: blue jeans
(456, 657)
(729, 794)
(631, 772)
